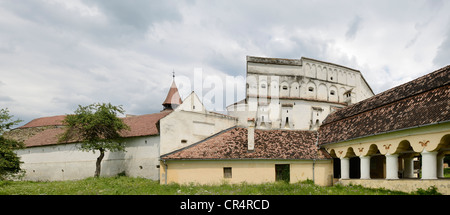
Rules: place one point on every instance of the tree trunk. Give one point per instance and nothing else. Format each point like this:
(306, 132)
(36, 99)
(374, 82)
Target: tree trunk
(99, 163)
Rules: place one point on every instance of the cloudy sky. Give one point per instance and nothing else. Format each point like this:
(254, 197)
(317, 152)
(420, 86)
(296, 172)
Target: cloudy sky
(57, 54)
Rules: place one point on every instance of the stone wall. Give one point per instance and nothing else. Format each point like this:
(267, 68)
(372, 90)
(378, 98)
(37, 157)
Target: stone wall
(405, 185)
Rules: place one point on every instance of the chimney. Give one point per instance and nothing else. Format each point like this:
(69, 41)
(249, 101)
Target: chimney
(251, 134)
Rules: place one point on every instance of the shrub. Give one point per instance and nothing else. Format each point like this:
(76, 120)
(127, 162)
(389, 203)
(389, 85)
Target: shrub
(430, 191)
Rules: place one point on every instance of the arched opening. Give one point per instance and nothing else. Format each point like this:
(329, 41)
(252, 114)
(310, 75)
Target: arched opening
(333, 97)
(311, 91)
(355, 162)
(355, 169)
(408, 166)
(336, 167)
(336, 164)
(378, 166)
(284, 89)
(377, 162)
(443, 157)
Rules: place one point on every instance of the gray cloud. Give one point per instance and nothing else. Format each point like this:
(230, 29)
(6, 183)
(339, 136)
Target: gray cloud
(56, 54)
(355, 25)
(442, 57)
(139, 14)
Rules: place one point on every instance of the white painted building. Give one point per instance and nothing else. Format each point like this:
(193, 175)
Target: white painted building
(46, 159)
(67, 162)
(190, 123)
(297, 93)
(180, 124)
(281, 93)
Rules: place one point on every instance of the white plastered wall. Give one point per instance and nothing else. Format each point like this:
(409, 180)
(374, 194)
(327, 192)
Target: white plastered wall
(68, 162)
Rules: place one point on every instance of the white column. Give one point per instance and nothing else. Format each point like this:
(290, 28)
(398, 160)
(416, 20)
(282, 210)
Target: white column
(429, 163)
(440, 166)
(392, 166)
(365, 167)
(408, 167)
(345, 168)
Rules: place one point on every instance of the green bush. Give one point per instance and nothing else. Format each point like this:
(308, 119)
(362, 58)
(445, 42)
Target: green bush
(430, 191)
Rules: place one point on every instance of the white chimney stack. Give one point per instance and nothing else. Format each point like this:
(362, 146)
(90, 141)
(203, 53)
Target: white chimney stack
(251, 134)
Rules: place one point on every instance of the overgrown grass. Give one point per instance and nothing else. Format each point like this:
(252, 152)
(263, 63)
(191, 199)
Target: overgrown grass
(140, 186)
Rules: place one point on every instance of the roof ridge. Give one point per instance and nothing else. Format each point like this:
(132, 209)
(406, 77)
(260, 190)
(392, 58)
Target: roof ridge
(27, 125)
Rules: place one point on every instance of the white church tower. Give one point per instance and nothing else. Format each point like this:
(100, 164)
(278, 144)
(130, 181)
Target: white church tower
(296, 93)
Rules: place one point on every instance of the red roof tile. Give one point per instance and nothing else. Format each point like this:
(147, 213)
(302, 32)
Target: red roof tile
(269, 144)
(422, 101)
(422, 84)
(46, 137)
(173, 97)
(45, 121)
(143, 125)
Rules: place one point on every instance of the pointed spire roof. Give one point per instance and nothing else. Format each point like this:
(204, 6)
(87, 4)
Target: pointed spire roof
(173, 98)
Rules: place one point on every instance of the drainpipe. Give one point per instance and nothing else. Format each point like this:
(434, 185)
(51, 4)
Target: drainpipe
(314, 163)
(165, 170)
(251, 134)
(314, 159)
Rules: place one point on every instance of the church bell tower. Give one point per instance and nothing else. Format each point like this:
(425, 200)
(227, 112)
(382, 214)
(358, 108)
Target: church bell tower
(173, 98)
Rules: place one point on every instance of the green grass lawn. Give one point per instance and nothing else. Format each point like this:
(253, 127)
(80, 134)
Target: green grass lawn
(140, 186)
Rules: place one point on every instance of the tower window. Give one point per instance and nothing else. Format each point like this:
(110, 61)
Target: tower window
(332, 92)
(285, 87)
(310, 89)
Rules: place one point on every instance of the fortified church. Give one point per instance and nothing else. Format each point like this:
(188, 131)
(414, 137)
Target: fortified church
(301, 119)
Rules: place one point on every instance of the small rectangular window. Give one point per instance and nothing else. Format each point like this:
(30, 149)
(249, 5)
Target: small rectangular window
(282, 172)
(227, 172)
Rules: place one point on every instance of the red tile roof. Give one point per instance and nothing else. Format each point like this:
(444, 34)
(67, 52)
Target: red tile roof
(425, 83)
(173, 97)
(269, 144)
(143, 125)
(422, 101)
(45, 121)
(45, 137)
